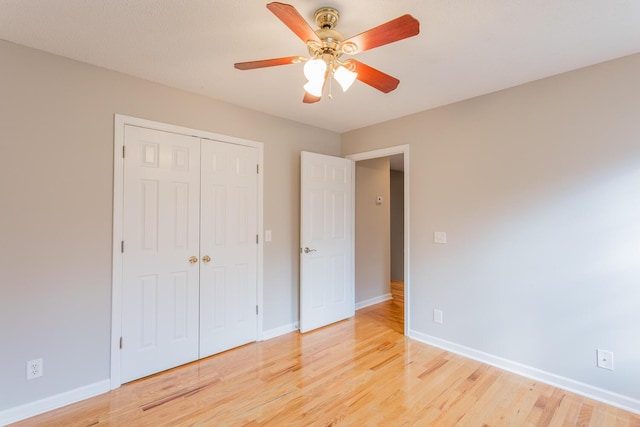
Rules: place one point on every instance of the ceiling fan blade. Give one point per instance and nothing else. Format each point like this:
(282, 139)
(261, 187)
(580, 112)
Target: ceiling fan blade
(389, 32)
(292, 19)
(310, 99)
(375, 78)
(267, 63)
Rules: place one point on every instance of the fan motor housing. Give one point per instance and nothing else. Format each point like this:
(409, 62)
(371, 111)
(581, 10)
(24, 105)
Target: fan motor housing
(327, 17)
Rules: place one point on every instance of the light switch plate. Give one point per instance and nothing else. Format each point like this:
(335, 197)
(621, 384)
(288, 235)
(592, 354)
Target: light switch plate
(440, 237)
(267, 235)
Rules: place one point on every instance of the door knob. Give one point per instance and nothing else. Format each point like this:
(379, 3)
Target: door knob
(193, 260)
(206, 259)
(307, 250)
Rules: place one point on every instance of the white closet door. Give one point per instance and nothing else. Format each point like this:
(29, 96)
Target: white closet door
(161, 235)
(228, 294)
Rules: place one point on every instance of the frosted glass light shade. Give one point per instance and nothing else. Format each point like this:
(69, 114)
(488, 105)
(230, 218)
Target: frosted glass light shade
(314, 87)
(314, 70)
(344, 77)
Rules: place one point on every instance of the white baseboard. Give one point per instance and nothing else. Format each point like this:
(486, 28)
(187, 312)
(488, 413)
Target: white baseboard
(276, 332)
(31, 409)
(372, 301)
(595, 393)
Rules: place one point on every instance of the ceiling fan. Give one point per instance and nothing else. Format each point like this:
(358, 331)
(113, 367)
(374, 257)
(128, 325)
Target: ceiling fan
(326, 47)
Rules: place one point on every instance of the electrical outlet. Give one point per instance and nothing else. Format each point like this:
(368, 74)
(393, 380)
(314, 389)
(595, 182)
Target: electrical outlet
(437, 316)
(605, 359)
(34, 369)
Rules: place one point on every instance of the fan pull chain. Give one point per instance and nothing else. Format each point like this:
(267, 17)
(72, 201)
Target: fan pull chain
(330, 86)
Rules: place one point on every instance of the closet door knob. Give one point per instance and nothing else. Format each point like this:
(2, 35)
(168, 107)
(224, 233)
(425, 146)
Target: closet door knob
(206, 259)
(193, 260)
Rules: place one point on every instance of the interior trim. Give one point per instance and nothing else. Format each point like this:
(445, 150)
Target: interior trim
(50, 403)
(384, 152)
(577, 387)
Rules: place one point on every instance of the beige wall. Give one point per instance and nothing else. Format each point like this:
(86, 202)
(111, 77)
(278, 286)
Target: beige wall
(396, 201)
(372, 229)
(538, 189)
(56, 131)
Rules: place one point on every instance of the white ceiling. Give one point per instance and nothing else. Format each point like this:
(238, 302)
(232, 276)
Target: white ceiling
(465, 48)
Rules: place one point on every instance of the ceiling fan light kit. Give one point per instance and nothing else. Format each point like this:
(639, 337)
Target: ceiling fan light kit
(344, 77)
(326, 46)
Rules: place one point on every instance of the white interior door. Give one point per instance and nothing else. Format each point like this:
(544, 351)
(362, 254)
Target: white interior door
(327, 292)
(161, 243)
(229, 247)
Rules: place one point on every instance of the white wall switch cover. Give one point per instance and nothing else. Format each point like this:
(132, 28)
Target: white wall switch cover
(437, 316)
(267, 235)
(439, 237)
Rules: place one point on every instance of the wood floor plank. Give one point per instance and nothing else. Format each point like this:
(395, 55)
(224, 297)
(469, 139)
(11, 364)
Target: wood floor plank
(358, 372)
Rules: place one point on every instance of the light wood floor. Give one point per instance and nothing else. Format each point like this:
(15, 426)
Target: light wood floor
(359, 372)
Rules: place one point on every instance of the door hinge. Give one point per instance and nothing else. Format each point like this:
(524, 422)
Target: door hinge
(122, 246)
(257, 239)
(257, 168)
(123, 151)
(256, 309)
(120, 343)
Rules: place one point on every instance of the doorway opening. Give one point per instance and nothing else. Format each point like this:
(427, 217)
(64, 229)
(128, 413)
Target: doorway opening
(382, 262)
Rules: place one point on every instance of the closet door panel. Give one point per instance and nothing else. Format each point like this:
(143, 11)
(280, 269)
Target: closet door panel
(160, 295)
(228, 237)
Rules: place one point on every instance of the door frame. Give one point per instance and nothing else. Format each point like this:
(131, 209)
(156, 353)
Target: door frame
(385, 152)
(120, 121)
